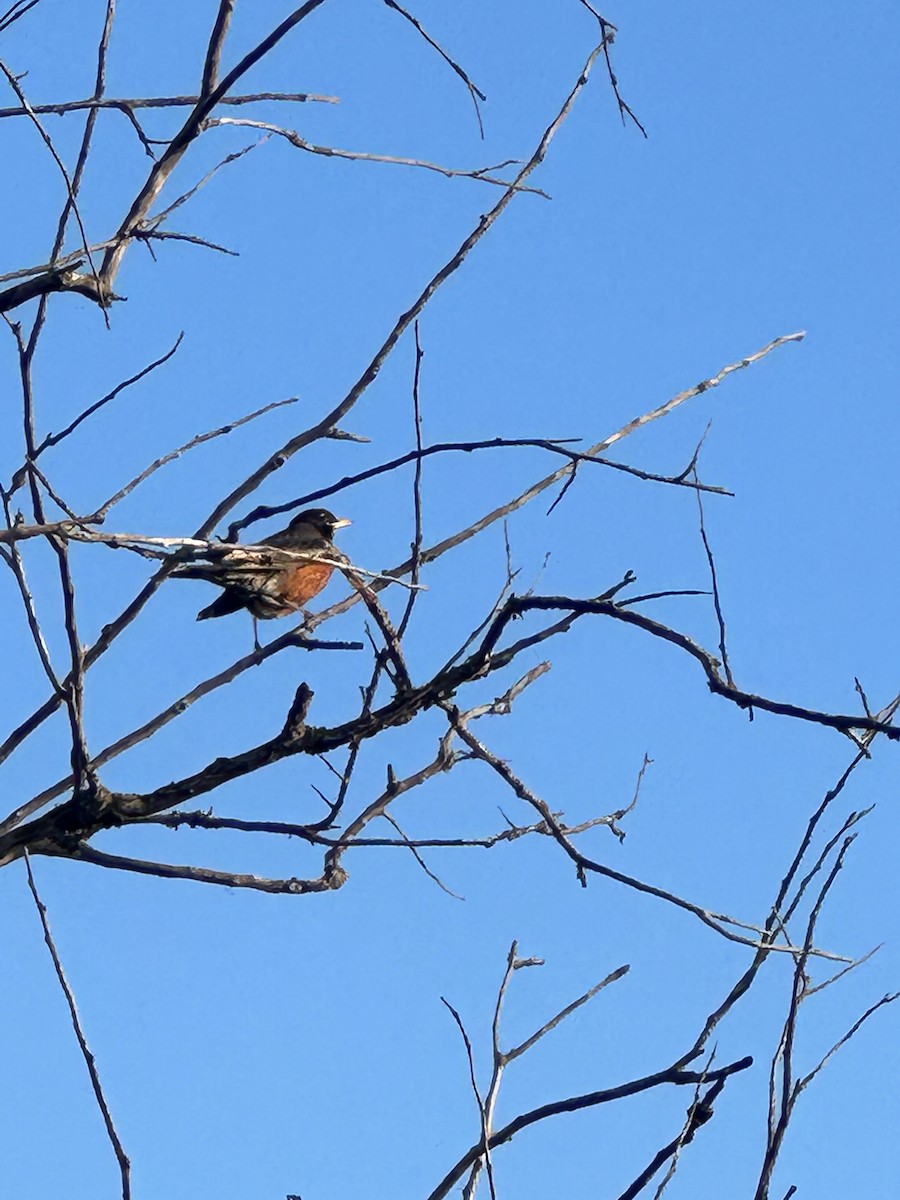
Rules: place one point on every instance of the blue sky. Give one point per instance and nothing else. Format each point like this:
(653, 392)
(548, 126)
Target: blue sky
(256, 1045)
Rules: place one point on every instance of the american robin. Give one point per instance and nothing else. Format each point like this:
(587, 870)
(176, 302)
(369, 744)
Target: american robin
(273, 582)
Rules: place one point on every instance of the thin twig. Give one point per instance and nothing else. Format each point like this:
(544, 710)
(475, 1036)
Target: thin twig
(485, 1131)
(100, 514)
(87, 1055)
(717, 601)
(720, 923)
(783, 1093)
(552, 445)
(479, 174)
(523, 1047)
(416, 546)
(473, 91)
(192, 239)
(70, 186)
(18, 9)
(53, 439)
(154, 221)
(774, 923)
(414, 850)
(14, 560)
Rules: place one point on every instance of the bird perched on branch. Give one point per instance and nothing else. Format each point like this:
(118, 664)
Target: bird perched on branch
(275, 577)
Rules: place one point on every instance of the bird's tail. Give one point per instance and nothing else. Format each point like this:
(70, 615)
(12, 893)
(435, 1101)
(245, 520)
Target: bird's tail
(227, 603)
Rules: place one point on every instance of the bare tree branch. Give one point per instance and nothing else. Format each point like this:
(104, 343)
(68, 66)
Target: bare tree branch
(70, 106)
(480, 174)
(321, 429)
(70, 182)
(87, 1055)
(216, 45)
(699, 1113)
(576, 1104)
(473, 91)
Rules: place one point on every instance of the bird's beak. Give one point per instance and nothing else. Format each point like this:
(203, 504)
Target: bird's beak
(341, 522)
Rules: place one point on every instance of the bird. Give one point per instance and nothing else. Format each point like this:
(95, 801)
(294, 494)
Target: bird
(277, 576)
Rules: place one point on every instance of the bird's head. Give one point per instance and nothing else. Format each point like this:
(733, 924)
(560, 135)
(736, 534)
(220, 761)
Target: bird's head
(321, 520)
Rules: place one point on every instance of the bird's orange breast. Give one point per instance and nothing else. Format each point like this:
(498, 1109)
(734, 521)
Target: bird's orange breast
(301, 584)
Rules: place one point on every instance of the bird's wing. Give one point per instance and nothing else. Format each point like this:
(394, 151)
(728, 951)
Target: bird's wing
(304, 536)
